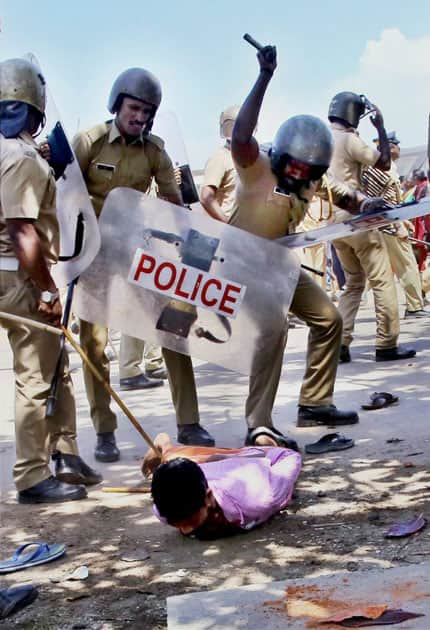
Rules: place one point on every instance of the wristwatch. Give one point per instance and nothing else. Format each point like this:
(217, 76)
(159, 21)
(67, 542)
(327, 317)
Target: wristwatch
(48, 297)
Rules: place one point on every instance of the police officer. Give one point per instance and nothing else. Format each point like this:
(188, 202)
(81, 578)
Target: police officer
(29, 244)
(273, 193)
(123, 152)
(363, 255)
(400, 252)
(219, 179)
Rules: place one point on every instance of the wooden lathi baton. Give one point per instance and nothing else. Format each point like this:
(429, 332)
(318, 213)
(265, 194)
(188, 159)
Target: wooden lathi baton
(127, 489)
(60, 331)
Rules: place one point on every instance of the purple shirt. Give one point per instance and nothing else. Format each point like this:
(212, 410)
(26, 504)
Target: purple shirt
(252, 486)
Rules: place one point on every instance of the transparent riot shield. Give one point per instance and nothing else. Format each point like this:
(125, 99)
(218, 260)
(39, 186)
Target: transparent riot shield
(186, 282)
(359, 223)
(166, 125)
(79, 233)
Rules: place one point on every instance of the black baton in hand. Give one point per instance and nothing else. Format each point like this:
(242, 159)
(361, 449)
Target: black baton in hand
(51, 402)
(268, 52)
(312, 270)
(247, 37)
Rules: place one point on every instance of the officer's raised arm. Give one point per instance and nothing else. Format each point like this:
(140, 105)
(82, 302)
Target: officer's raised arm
(384, 161)
(244, 147)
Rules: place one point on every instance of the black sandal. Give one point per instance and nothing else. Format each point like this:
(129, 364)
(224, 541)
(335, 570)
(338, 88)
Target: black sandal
(379, 400)
(329, 442)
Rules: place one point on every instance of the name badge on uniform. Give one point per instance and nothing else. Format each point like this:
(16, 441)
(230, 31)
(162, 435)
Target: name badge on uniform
(280, 192)
(101, 166)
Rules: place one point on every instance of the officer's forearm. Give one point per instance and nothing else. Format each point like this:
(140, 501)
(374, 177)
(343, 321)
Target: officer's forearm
(350, 201)
(384, 161)
(342, 195)
(28, 250)
(211, 205)
(247, 118)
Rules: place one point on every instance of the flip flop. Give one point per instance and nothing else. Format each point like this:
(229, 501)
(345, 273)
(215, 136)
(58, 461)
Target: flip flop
(42, 554)
(274, 434)
(16, 598)
(379, 400)
(329, 442)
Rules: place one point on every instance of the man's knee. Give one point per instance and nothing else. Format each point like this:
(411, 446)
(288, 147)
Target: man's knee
(355, 283)
(333, 319)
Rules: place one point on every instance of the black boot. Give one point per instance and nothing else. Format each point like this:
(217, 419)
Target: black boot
(106, 449)
(194, 435)
(345, 355)
(72, 469)
(394, 354)
(139, 382)
(324, 415)
(51, 491)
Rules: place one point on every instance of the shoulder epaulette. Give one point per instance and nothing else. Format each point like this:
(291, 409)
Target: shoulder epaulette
(159, 142)
(98, 131)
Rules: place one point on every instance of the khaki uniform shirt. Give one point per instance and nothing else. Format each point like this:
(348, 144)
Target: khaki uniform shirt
(27, 191)
(221, 175)
(258, 209)
(107, 162)
(351, 154)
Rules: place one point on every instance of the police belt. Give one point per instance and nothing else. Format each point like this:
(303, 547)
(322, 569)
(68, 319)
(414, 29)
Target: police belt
(9, 263)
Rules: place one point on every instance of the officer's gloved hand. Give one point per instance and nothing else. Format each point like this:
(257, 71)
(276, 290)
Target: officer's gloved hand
(373, 204)
(267, 59)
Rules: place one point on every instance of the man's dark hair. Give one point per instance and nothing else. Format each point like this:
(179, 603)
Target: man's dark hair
(178, 489)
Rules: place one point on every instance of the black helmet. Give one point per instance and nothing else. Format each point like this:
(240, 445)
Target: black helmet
(137, 83)
(348, 107)
(301, 152)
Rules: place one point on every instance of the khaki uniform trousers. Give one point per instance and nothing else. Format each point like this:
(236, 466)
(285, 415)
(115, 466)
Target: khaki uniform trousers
(94, 338)
(315, 257)
(425, 280)
(311, 304)
(362, 256)
(35, 355)
(405, 267)
(131, 353)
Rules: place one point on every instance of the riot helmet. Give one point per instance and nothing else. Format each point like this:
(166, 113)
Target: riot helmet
(349, 107)
(22, 96)
(300, 153)
(226, 121)
(137, 83)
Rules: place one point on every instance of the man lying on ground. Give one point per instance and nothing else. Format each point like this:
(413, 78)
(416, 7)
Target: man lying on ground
(210, 492)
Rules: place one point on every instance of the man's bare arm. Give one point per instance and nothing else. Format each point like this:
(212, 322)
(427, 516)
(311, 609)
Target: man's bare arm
(28, 250)
(211, 205)
(346, 198)
(384, 161)
(244, 147)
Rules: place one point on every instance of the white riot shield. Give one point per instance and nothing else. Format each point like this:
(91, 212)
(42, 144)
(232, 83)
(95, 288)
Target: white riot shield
(79, 233)
(359, 223)
(186, 282)
(166, 125)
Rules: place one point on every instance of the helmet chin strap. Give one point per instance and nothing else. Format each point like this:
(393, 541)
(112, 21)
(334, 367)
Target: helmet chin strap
(289, 185)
